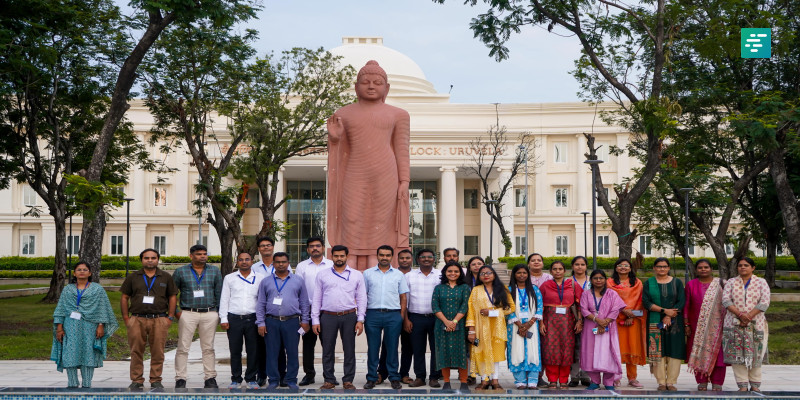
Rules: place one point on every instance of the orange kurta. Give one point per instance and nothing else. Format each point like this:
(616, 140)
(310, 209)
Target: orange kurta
(632, 339)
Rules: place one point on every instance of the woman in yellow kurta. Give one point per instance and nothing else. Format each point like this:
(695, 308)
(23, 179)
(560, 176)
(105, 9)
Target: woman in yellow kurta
(490, 305)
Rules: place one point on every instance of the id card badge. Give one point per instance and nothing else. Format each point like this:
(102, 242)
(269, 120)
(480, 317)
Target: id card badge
(199, 293)
(148, 299)
(494, 313)
(75, 315)
(277, 301)
(301, 331)
(525, 314)
(638, 313)
(561, 310)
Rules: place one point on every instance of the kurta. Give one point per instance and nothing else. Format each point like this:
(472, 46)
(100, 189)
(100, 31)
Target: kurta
(712, 333)
(535, 307)
(558, 343)
(668, 342)
(80, 347)
(491, 331)
(451, 347)
(601, 353)
(749, 344)
(632, 339)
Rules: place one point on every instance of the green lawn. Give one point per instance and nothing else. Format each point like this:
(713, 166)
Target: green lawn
(23, 286)
(26, 330)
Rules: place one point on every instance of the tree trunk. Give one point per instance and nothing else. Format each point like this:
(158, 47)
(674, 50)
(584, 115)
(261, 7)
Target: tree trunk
(769, 268)
(92, 242)
(226, 241)
(59, 277)
(787, 199)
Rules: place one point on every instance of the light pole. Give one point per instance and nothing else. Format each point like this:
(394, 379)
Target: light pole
(128, 201)
(491, 203)
(686, 191)
(594, 165)
(524, 153)
(71, 250)
(585, 241)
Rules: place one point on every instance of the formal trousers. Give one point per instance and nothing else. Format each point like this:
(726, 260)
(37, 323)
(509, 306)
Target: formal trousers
(331, 328)
(205, 323)
(383, 329)
(744, 375)
(309, 352)
(282, 334)
(422, 332)
(667, 370)
(147, 332)
(406, 355)
(242, 330)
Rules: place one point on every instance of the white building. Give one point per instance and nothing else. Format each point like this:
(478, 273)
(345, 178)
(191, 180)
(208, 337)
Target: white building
(445, 207)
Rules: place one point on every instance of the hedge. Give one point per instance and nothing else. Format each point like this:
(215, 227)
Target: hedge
(49, 274)
(107, 262)
(607, 263)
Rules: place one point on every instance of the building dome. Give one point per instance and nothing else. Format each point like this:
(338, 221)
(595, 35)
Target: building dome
(405, 77)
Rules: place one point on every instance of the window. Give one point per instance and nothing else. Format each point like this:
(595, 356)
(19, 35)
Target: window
(160, 244)
(562, 245)
(602, 246)
(602, 152)
(116, 245)
(561, 197)
(519, 197)
(471, 200)
(160, 195)
(646, 245)
(597, 198)
(423, 199)
(691, 247)
(470, 245)
(520, 245)
(253, 197)
(729, 248)
(28, 245)
(560, 153)
(73, 244)
(305, 210)
(29, 196)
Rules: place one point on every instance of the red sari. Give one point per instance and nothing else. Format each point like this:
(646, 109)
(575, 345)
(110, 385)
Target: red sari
(558, 344)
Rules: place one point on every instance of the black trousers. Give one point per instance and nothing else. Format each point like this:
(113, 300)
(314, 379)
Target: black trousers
(243, 329)
(331, 328)
(309, 350)
(421, 332)
(406, 355)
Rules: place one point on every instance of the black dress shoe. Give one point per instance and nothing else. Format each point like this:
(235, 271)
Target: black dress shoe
(283, 383)
(180, 384)
(446, 386)
(586, 382)
(573, 383)
(369, 385)
(307, 380)
(261, 382)
(397, 385)
(210, 383)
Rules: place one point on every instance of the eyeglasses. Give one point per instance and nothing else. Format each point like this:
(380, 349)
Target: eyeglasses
(486, 274)
(624, 265)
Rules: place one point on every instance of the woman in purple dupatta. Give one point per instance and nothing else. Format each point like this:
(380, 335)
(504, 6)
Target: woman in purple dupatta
(599, 340)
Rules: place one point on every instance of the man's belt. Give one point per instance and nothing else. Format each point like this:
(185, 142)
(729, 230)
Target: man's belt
(339, 313)
(149, 316)
(284, 318)
(207, 309)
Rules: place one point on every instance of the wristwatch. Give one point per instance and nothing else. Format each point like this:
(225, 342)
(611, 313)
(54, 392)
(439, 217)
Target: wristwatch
(171, 318)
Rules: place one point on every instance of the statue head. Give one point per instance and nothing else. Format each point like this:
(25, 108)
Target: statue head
(371, 83)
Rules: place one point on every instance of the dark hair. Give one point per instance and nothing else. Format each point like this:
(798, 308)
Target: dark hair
(405, 251)
(748, 259)
(280, 254)
(600, 272)
(557, 262)
(576, 258)
(458, 253)
(385, 247)
(78, 264)
(338, 247)
(703, 260)
(459, 281)
(528, 285)
(473, 259)
(661, 259)
(265, 239)
(528, 261)
(244, 252)
(498, 290)
(315, 239)
(141, 255)
(419, 253)
(197, 247)
(631, 275)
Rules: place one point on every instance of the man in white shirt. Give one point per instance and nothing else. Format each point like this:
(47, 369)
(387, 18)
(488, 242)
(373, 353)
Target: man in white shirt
(237, 314)
(420, 319)
(308, 269)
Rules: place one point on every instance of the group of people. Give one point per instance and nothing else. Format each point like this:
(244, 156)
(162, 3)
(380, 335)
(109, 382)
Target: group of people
(576, 327)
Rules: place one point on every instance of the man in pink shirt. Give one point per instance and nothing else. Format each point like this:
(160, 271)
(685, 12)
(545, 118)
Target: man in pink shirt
(338, 309)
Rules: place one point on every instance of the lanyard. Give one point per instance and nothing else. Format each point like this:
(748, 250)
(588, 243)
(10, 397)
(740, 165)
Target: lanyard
(523, 298)
(490, 296)
(200, 279)
(242, 278)
(274, 278)
(584, 282)
(80, 293)
(745, 290)
(473, 280)
(348, 274)
(148, 286)
(265, 268)
(597, 303)
(560, 292)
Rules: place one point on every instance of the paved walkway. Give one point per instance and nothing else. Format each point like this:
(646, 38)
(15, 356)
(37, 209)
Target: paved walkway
(115, 373)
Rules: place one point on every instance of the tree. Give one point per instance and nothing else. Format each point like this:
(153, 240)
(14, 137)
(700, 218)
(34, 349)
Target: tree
(625, 52)
(56, 80)
(282, 114)
(196, 69)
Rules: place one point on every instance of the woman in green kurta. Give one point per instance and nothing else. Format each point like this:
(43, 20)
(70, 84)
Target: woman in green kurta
(82, 323)
(663, 296)
(450, 301)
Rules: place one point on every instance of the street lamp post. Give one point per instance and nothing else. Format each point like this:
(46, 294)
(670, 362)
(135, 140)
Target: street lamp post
(491, 230)
(71, 250)
(592, 165)
(585, 241)
(686, 191)
(128, 201)
(524, 152)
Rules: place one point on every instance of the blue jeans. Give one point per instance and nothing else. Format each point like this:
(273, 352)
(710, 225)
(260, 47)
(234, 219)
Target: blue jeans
(282, 333)
(391, 323)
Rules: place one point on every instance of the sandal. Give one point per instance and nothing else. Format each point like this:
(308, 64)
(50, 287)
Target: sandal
(662, 388)
(716, 387)
(552, 385)
(702, 387)
(755, 388)
(672, 388)
(483, 386)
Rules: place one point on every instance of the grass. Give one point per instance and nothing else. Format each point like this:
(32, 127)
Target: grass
(23, 286)
(784, 326)
(26, 330)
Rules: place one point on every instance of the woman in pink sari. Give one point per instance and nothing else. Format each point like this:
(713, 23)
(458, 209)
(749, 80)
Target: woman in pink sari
(599, 341)
(704, 316)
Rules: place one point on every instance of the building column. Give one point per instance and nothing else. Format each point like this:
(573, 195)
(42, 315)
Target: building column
(579, 235)
(180, 243)
(280, 215)
(541, 241)
(139, 240)
(7, 244)
(583, 187)
(448, 216)
(48, 243)
(623, 163)
(542, 195)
